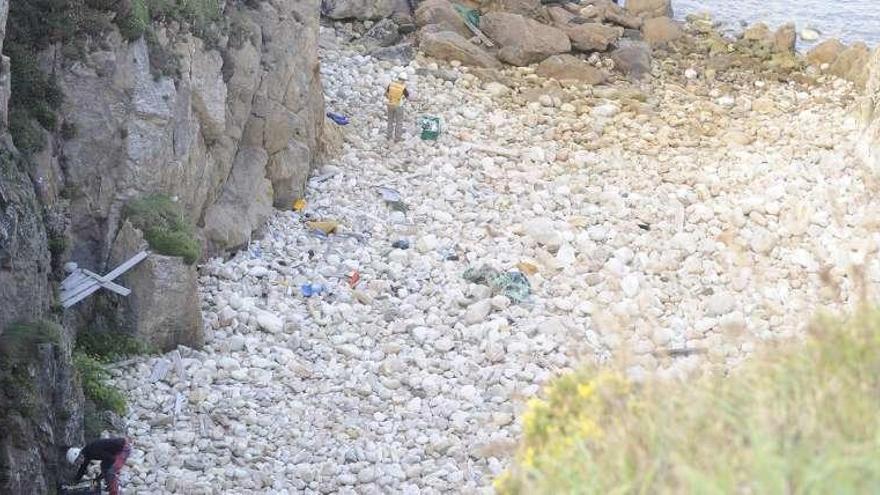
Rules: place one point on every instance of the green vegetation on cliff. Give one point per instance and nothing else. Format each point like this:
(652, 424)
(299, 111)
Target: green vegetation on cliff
(202, 16)
(93, 376)
(107, 347)
(19, 346)
(20, 341)
(32, 27)
(796, 420)
(94, 350)
(165, 227)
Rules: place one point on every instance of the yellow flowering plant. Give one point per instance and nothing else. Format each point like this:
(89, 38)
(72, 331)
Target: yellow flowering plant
(797, 418)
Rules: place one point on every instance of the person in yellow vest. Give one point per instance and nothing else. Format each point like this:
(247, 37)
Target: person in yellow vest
(395, 93)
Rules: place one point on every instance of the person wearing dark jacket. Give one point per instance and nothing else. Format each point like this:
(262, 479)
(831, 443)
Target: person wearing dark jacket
(112, 452)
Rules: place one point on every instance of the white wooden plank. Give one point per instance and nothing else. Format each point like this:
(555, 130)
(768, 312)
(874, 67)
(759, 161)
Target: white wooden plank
(179, 401)
(134, 260)
(89, 287)
(73, 284)
(107, 284)
(72, 291)
(495, 150)
(79, 296)
(86, 284)
(178, 363)
(73, 279)
(160, 370)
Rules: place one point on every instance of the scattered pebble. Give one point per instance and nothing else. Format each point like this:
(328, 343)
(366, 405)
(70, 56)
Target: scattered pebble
(412, 380)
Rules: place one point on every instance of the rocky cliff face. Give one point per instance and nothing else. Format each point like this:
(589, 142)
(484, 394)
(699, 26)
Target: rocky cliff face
(40, 414)
(229, 127)
(869, 146)
(24, 257)
(236, 132)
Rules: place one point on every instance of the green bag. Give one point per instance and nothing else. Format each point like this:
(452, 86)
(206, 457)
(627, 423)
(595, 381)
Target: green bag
(470, 15)
(430, 128)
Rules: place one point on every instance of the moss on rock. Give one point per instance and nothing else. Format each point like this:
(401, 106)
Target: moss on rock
(164, 226)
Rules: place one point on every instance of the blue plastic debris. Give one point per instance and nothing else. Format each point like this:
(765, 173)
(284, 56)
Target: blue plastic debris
(338, 118)
(515, 285)
(401, 244)
(389, 194)
(309, 290)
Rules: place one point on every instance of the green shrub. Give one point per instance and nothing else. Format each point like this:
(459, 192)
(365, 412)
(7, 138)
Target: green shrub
(202, 16)
(107, 347)
(93, 350)
(35, 98)
(16, 391)
(93, 376)
(26, 135)
(57, 246)
(164, 227)
(94, 24)
(800, 420)
(198, 13)
(37, 24)
(21, 340)
(134, 23)
(19, 343)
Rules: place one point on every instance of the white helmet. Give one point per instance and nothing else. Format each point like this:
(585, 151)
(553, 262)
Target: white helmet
(73, 454)
(402, 76)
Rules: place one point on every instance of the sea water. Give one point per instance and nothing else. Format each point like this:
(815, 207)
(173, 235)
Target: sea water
(846, 20)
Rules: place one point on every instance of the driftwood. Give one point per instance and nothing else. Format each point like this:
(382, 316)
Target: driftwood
(680, 352)
(479, 34)
(494, 150)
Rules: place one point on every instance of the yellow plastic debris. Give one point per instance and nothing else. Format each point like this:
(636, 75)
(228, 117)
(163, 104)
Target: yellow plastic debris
(527, 268)
(326, 226)
(579, 221)
(299, 205)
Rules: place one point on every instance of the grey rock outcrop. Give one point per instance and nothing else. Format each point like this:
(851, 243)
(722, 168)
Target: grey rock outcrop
(620, 16)
(235, 133)
(852, 64)
(633, 59)
(785, 38)
(39, 400)
(869, 142)
(357, 9)
(592, 36)
(527, 8)
(163, 308)
(382, 34)
(40, 412)
(570, 69)
(584, 36)
(650, 8)
(523, 41)
(825, 52)
(660, 30)
(24, 256)
(400, 54)
(442, 14)
(447, 45)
